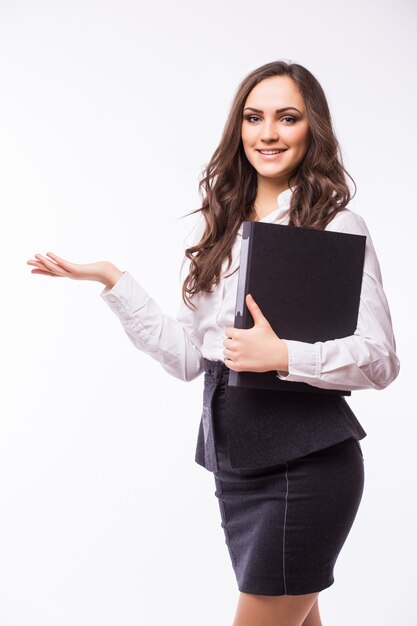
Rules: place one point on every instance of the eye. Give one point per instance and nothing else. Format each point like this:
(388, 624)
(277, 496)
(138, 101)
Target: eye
(248, 117)
(256, 117)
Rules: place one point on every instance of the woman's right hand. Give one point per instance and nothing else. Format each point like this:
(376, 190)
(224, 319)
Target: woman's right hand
(103, 271)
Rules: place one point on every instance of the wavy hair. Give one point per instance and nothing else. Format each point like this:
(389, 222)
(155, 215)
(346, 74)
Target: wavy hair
(228, 186)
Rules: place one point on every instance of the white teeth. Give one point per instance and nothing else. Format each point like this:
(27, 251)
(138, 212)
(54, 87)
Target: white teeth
(270, 151)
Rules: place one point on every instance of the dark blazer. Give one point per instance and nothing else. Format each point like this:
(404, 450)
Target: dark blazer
(266, 427)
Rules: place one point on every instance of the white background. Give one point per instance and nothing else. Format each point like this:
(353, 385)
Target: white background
(108, 113)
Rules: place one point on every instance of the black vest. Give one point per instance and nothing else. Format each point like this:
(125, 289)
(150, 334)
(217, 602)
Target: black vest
(266, 427)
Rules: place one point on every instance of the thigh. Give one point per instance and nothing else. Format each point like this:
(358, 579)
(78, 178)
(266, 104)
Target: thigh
(285, 525)
(273, 610)
(324, 493)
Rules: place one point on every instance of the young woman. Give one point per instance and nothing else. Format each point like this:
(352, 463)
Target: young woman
(288, 466)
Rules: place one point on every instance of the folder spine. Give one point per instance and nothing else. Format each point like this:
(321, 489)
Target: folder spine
(241, 308)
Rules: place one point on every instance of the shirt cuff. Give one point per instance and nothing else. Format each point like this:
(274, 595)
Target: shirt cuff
(303, 362)
(126, 295)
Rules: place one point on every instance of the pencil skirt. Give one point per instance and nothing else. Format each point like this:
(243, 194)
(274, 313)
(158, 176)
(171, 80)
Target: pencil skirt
(285, 525)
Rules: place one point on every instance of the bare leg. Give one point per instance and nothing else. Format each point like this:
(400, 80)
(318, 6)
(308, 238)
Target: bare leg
(259, 610)
(313, 618)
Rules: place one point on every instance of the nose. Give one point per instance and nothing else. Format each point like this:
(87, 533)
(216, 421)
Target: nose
(269, 131)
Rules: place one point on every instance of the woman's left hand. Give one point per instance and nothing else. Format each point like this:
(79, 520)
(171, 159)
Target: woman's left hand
(256, 349)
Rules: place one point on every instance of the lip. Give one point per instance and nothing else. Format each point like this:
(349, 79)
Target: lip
(271, 157)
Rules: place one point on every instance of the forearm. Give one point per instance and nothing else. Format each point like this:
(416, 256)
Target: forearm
(173, 342)
(111, 276)
(350, 363)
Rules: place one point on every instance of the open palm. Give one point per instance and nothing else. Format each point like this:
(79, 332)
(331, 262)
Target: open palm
(56, 266)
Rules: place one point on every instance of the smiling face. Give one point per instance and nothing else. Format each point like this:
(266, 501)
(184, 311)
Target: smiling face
(264, 128)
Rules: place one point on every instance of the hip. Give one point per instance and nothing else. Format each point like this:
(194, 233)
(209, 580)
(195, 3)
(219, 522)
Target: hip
(259, 428)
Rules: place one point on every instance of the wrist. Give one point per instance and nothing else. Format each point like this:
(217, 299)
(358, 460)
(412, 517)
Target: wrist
(112, 276)
(283, 362)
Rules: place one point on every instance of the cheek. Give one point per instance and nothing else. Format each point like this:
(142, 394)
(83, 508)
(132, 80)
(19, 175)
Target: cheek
(300, 137)
(249, 134)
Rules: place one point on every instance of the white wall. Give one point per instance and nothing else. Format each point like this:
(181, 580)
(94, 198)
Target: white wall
(108, 113)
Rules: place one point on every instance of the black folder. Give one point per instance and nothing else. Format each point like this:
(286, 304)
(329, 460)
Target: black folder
(307, 283)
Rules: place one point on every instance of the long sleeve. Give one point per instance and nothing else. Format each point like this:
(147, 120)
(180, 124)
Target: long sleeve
(365, 360)
(174, 342)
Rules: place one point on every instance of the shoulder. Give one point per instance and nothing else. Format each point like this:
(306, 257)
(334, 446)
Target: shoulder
(348, 221)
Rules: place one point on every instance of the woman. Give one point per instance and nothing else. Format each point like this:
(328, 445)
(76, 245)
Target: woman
(288, 467)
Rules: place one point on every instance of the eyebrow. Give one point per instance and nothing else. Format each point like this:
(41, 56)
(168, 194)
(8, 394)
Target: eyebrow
(277, 110)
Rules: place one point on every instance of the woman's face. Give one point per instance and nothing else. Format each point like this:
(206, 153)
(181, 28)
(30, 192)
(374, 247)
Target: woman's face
(265, 128)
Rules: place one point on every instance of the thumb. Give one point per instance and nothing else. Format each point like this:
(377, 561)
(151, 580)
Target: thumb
(255, 310)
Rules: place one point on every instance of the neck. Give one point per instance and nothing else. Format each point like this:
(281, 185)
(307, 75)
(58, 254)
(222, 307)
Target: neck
(266, 197)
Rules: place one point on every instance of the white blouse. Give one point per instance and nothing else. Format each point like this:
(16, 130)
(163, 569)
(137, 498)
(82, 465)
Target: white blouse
(367, 359)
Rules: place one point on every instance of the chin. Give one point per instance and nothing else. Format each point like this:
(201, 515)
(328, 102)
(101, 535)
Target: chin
(270, 173)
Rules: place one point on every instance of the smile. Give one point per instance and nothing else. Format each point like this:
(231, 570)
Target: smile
(270, 155)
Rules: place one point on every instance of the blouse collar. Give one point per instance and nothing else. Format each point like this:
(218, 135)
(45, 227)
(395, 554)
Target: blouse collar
(280, 213)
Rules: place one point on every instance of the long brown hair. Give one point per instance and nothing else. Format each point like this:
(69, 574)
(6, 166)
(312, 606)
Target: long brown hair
(229, 182)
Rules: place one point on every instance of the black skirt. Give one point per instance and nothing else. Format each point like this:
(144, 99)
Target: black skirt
(284, 525)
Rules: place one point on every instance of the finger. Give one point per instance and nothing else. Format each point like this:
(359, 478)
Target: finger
(43, 258)
(251, 302)
(51, 266)
(255, 310)
(42, 268)
(59, 260)
(36, 263)
(45, 273)
(227, 357)
(229, 362)
(227, 350)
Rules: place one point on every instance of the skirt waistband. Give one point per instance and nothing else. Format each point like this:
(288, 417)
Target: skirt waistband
(218, 369)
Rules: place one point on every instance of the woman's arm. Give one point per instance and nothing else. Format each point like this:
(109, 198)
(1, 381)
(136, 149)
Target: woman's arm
(365, 360)
(174, 343)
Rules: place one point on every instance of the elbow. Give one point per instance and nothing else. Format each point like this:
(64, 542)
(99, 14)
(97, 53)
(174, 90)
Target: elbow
(394, 368)
(194, 365)
(183, 370)
(191, 376)
(180, 373)
(388, 370)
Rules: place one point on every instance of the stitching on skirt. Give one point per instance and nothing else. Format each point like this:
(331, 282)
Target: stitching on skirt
(283, 538)
(226, 532)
